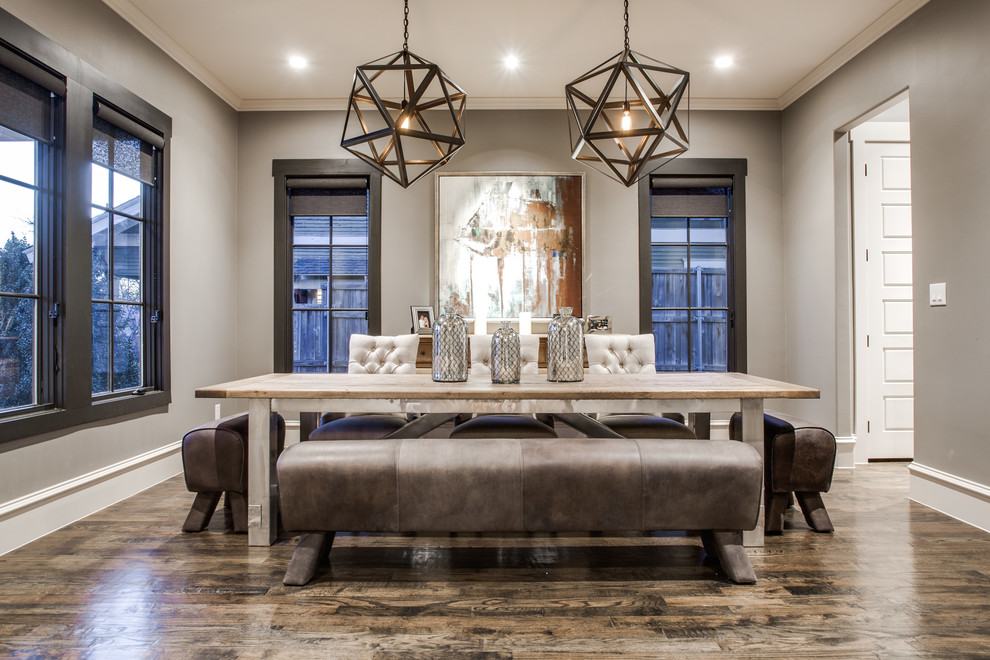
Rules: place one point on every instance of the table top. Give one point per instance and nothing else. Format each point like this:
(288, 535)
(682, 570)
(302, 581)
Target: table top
(659, 386)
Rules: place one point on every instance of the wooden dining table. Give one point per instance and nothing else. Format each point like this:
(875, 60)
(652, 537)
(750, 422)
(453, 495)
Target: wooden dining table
(431, 404)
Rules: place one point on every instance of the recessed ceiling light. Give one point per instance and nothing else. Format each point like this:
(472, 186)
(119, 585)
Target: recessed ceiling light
(723, 62)
(511, 62)
(298, 62)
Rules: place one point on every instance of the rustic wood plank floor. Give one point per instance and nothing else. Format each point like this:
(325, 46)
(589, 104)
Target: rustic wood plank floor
(896, 580)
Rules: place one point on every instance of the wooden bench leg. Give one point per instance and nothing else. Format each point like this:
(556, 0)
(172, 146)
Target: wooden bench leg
(814, 511)
(202, 510)
(773, 522)
(731, 555)
(312, 549)
(238, 511)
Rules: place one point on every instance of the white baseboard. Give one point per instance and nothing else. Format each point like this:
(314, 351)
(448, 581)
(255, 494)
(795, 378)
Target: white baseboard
(845, 452)
(960, 498)
(28, 518)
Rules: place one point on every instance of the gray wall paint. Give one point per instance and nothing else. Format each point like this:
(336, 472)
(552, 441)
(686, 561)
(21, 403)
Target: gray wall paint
(203, 247)
(940, 55)
(520, 141)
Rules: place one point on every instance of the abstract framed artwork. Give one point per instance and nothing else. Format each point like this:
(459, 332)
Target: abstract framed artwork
(509, 243)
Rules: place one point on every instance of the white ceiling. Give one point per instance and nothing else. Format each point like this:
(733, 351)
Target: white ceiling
(240, 48)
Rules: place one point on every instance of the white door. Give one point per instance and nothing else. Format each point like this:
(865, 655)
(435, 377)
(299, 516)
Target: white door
(885, 316)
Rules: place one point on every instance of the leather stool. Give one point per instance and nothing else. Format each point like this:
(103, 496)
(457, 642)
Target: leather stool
(214, 461)
(799, 458)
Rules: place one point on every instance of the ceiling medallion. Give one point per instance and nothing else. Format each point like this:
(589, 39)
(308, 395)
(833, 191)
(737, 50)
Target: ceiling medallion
(628, 116)
(409, 138)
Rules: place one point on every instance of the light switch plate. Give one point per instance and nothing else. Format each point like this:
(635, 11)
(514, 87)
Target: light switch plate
(936, 294)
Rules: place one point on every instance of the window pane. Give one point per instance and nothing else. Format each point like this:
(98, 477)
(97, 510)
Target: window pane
(709, 341)
(350, 277)
(17, 338)
(101, 256)
(310, 277)
(345, 324)
(670, 332)
(668, 230)
(101, 348)
(350, 231)
(101, 188)
(17, 154)
(126, 346)
(126, 260)
(311, 231)
(708, 269)
(127, 195)
(708, 230)
(309, 341)
(17, 253)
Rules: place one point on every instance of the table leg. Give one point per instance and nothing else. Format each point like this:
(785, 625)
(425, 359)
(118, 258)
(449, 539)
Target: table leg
(586, 425)
(262, 494)
(422, 424)
(752, 434)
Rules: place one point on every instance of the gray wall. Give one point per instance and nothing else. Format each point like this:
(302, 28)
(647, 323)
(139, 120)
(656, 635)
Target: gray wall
(203, 244)
(940, 54)
(517, 141)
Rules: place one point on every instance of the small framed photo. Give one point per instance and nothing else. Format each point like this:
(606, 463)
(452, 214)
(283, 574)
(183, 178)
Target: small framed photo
(597, 324)
(422, 319)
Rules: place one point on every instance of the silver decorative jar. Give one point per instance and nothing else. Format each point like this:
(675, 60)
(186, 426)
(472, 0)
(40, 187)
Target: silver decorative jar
(506, 355)
(565, 348)
(450, 349)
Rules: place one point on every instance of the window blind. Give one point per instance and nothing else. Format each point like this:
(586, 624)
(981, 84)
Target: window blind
(26, 97)
(124, 145)
(689, 197)
(338, 196)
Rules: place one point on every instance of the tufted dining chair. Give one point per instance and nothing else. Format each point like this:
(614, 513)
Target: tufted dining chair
(369, 354)
(632, 354)
(504, 426)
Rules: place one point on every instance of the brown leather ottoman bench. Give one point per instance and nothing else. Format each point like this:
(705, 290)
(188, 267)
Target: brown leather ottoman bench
(214, 461)
(800, 459)
(519, 485)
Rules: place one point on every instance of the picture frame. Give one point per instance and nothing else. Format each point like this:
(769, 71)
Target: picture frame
(597, 325)
(510, 241)
(422, 319)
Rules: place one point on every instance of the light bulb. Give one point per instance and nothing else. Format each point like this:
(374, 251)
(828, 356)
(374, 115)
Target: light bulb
(626, 119)
(405, 122)
(405, 118)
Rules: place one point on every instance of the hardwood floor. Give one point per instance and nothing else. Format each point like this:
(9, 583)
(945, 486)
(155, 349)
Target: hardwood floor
(895, 580)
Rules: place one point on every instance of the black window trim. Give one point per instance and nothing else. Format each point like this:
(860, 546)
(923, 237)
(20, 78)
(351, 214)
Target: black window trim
(735, 168)
(72, 405)
(282, 171)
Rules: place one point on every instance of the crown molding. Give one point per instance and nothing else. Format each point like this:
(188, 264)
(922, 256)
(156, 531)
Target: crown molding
(140, 21)
(493, 103)
(890, 19)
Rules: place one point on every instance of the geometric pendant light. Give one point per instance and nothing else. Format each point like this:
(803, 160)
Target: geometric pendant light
(409, 138)
(629, 115)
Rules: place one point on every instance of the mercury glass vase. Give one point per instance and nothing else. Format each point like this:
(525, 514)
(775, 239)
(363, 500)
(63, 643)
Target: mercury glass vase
(450, 349)
(565, 348)
(506, 355)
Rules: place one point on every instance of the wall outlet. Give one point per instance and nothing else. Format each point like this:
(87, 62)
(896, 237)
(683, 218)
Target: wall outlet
(936, 294)
(216, 411)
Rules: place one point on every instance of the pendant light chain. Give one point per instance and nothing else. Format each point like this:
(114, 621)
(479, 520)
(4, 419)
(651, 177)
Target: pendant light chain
(625, 16)
(405, 26)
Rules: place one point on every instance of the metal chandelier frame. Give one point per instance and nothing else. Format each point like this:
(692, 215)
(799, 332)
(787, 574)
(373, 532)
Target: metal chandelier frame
(621, 121)
(397, 137)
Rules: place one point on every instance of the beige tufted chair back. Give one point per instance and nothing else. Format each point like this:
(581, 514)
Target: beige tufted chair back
(481, 354)
(383, 355)
(620, 354)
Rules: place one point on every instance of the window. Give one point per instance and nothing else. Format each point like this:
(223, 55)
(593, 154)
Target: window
(693, 235)
(31, 135)
(327, 253)
(125, 206)
(83, 242)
